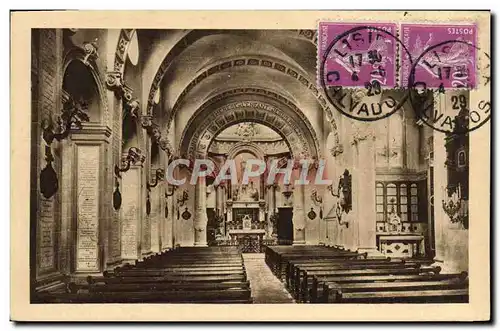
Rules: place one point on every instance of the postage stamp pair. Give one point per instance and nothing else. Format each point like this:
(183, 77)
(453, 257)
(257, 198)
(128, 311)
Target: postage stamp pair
(357, 53)
(358, 62)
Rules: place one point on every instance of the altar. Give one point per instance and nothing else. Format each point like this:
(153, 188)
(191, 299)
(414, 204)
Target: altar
(395, 242)
(247, 230)
(401, 245)
(243, 215)
(248, 240)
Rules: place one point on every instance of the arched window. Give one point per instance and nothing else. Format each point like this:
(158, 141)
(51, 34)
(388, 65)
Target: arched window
(403, 197)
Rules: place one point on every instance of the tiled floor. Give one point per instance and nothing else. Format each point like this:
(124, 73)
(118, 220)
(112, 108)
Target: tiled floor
(266, 288)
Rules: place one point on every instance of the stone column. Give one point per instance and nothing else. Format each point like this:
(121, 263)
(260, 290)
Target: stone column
(169, 230)
(200, 215)
(229, 206)
(91, 147)
(299, 216)
(219, 207)
(131, 213)
(451, 238)
(155, 216)
(364, 189)
(271, 206)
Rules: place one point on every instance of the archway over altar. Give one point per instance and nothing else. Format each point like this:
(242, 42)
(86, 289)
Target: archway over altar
(241, 128)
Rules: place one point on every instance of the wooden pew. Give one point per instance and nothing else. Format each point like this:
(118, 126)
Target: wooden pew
(199, 275)
(277, 257)
(299, 272)
(305, 283)
(415, 296)
(196, 296)
(172, 279)
(139, 272)
(294, 266)
(317, 291)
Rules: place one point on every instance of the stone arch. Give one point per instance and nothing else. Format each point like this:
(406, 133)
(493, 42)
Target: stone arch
(120, 60)
(189, 38)
(194, 35)
(246, 147)
(270, 64)
(79, 54)
(277, 100)
(259, 61)
(209, 121)
(122, 48)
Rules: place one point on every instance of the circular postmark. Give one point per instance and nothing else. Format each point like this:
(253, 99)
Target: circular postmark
(358, 72)
(449, 68)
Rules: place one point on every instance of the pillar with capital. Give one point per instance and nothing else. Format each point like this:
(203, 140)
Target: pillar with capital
(363, 189)
(200, 213)
(451, 238)
(299, 216)
(271, 208)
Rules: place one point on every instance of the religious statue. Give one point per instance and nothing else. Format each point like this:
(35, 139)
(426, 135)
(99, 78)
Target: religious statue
(246, 130)
(248, 193)
(247, 222)
(393, 223)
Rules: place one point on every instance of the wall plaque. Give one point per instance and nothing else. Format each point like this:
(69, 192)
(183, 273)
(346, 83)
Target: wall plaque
(130, 207)
(46, 235)
(115, 238)
(87, 256)
(155, 222)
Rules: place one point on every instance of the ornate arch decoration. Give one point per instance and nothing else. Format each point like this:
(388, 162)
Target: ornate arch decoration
(245, 146)
(121, 49)
(191, 37)
(265, 63)
(79, 54)
(209, 121)
(311, 35)
(278, 102)
(195, 35)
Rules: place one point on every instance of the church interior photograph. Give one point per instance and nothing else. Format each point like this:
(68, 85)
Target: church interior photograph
(119, 120)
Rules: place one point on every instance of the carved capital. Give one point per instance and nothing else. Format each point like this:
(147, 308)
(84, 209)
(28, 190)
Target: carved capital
(361, 134)
(134, 156)
(127, 92)
(165, 145)
(133, 107)
(114, 81)
(90, 49)
(337, 150)
(146, 121)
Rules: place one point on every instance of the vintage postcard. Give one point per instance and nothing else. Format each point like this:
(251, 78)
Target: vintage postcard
(251, 166)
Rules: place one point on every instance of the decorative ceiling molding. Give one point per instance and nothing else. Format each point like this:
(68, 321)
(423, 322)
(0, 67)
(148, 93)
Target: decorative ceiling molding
(245, 146)
(269, 147)
(248, 92)
(311, 35)
(121, 49)
(195, 35)
(208, 122)
(190, 38)
(263, 63)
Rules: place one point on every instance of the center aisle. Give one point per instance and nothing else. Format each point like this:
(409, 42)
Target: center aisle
(266, 288)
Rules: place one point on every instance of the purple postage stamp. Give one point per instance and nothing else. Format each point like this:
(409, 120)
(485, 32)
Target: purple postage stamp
(357, 54)
(442, 56)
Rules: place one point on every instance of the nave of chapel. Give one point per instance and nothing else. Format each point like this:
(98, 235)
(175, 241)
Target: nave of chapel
(112, 109)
